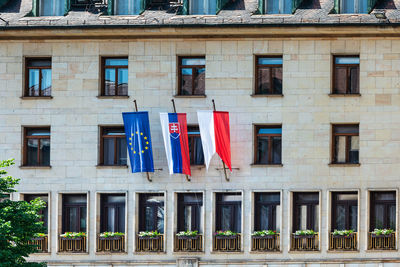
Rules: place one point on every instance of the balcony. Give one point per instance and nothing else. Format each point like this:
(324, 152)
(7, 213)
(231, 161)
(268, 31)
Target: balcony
(72, 245)
(265, 243)
(189, 243)
(227, 243)
(381, 242)
(343, 242)
(150, 244)
(41, 244)
(114, 244)
(304, 242)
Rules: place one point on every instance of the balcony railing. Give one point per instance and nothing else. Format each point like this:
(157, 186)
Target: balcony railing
(382, 242)
(150, 244)
(72, 245)
(347, 243)
(189, 243)
(41, 244)
(304, 242)
(265, 243)
(114, 244)
(227, 243)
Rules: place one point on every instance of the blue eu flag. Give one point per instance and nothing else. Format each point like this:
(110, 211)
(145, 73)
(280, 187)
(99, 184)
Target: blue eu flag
(137, 131)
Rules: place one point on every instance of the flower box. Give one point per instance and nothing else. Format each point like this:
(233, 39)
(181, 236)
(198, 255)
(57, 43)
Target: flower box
(186, 237)
(303, 236)
(37, 238)
(264, 237)
(111, 238)
(226, 236)
(344, 236)
(71, 238)
(149, 237)
(380, 236)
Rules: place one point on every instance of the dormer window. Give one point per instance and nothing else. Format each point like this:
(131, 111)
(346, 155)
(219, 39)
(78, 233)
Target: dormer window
(126, 7)
(52, 7)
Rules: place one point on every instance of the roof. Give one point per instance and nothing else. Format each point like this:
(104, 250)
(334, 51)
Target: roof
(15, 14)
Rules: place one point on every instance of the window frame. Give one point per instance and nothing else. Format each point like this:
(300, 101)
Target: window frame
(348, 81)
(27, 76)
(116, 68)
(270, 137)
(65, 216)
(347, 203)
(104, 205)
(193, 67)
(347, 148)
(310, 212)
(102, 129)
(142, 210)
(192, 147)
(196, 216)
(25, 144)
(387, 203)
(258, 204)
(271, 66)
(234, 206)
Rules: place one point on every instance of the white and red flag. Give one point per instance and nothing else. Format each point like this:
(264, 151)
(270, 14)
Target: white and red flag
(215, 135)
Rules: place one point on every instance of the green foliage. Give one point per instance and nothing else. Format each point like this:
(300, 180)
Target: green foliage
(111, 234)
(225, 233)
(73, 235)
(305, 232)
(343, 232)
(188, 233)
(19, 224)
(151, 234)
(264, 233)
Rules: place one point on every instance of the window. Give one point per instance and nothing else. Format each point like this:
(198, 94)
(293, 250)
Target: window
(37, 146)
(151, 216)
(383, 210)
(74, 213)
(127, 7)
(203, 7)
(346, 75)
(114, 76)
(52, 7)
(44, 213)
(344, 211)
(113, 149)
(38, 77)
(268, 144)
(305, 211)
(266, 211)
(192, 74)
(229, 212)
(190, 207)
(345, 144)
(112, 213)
(268, 75)
(195, 147)
(278, 6)
(353, 6)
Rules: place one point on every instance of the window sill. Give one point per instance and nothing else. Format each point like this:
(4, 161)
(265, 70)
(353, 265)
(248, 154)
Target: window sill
(111, 166)
(36, 97)
(190, 96)
(113, 96)
(266, 165)
(35, 167)
(344, 164)
(266, 95)
(344, 95)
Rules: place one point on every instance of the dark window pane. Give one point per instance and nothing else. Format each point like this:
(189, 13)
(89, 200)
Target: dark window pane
(354, 80)
(39, 63)
(277, 80)
(75, 199)
(268, 197)
(354, 148)
(160, 219)
(32, 152)
(262, 149)
(46, 82)
(392, 217)
(122, 151)
(149, 219)
(82, 219)
(340, 80)
(264, 80)
(346, 129)
(379, 216)
(384, 196)
(72, 222)
(122, 81)
(353, 217)
(307, 197)
(186, 82)
(109, 86)
(276, 150)
(45, 152)
(226, 215)
(121, 219)
(265, 218)
(341, 218)
(199, 82)
(116, 62)
(196, 155)
(109, 151)
(111, 218)
(33, 89)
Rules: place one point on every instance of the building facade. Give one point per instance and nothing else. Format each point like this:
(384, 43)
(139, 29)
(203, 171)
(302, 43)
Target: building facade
(314, 106)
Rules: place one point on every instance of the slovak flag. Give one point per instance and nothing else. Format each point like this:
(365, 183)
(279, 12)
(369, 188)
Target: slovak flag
(215, 135)
(174, 129)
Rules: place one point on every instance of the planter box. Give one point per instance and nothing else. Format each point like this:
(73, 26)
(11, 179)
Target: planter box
(188, 237)
(381, 236)
(111, 238)
(226, 236)
(149, 237)
(303, 236)
(264, 237)
(38, 239)
(75, 238)
(343, 236)
(150, 244)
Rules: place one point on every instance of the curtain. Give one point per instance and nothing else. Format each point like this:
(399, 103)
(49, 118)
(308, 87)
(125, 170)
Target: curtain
(128, 7)
(52, 7)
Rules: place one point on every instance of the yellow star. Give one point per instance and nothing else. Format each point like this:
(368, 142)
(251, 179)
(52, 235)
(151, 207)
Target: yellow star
(142, 151)
(132, 148)
(137, 132)
(130, 138)
(141, 133)
(145, 138)
(132, 134)
(146, 147)
(130, 144)
(134, 152)
(147, 143)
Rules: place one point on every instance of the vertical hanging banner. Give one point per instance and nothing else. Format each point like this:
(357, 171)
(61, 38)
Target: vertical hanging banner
(174, 129)
(138, 139)
(215, 135)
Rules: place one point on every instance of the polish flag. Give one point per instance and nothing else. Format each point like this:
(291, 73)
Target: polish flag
(174, 129)
(215, 136)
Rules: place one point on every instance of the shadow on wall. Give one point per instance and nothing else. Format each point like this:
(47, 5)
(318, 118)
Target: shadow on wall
(12, 6)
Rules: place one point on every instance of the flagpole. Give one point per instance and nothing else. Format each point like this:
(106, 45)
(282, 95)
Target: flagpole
(223, 163)
(147, 173)
(173, 105)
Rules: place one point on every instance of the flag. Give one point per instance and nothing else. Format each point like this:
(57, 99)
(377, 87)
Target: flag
(174, 129)
(138, 139)
(215, 136)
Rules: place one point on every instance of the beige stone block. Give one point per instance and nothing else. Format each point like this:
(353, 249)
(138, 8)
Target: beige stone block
(213, 47)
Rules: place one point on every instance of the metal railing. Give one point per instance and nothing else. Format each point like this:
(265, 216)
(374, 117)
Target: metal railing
(265, 243)
(188, 244)
(227, 243)
(147, 244)
(41, 244)
(111, 244)
(337, 242)
(382, 242)
(72, 245)
(304, 242)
